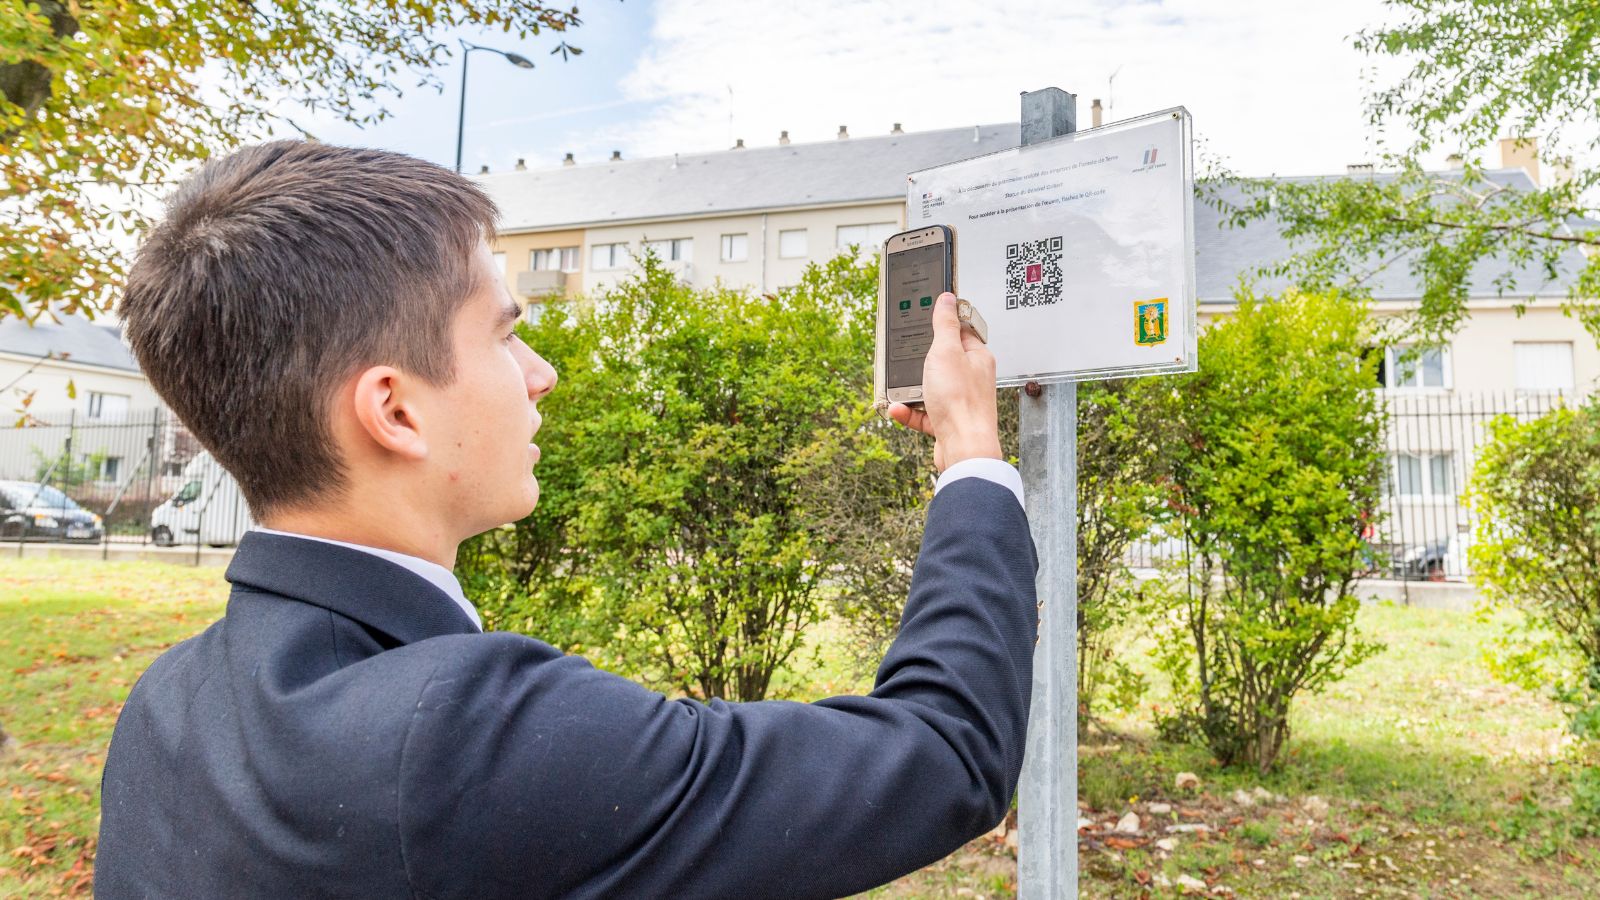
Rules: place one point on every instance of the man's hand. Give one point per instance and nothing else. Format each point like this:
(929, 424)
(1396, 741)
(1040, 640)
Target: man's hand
(958, 393)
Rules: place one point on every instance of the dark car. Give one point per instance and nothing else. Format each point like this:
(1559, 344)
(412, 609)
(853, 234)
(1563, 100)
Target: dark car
(1423, 562)
(39, 512)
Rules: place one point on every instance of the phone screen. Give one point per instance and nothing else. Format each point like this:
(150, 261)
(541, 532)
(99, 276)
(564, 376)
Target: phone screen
(915, 277)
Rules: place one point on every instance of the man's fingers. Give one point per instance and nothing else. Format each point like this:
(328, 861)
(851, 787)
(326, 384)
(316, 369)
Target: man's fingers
(915, 419)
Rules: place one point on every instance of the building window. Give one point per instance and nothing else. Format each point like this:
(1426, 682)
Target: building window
(500, 263)
(1429, 476)
(110, 467)
(1415, 370)
(674, 250)
(532, 312)
(1544, 366)
(608, 256)
(554, 259)
(735, 247)
(792, 243)
(869, 238)
(108, 407)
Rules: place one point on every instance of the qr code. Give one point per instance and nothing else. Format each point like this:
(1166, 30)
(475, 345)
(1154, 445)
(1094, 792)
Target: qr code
(1033, 273)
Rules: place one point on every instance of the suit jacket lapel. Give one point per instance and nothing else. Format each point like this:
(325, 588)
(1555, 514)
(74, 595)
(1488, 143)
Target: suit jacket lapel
(363, 587)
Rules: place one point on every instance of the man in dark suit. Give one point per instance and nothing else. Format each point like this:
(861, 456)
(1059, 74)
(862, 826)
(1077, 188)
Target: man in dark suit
(330, 324)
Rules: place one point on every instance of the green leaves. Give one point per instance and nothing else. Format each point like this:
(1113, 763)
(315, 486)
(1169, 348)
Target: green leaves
(670, 542)
(1480, 70)
(1535, 492)
(1274, 459)
(101, 109)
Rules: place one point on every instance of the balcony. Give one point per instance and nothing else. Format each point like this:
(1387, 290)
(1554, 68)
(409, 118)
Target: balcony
(541, 283)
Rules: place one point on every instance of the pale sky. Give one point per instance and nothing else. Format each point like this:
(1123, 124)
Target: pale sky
(1274, 86)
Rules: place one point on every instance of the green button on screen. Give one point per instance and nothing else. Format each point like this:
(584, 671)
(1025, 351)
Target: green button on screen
(905, 304)
(927, 301)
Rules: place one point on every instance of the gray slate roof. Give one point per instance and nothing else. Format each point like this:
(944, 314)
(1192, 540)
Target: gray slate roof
(1222, 253)
(874, 169)
(84, 342)
(730, 181)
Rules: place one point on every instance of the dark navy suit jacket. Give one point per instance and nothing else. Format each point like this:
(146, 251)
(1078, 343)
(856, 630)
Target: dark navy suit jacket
(345, 731)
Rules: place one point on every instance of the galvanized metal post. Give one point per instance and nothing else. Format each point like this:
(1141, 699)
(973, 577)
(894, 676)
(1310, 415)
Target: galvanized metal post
(1047, 805)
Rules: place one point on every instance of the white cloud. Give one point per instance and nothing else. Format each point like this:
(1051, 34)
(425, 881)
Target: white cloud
(1274, 85)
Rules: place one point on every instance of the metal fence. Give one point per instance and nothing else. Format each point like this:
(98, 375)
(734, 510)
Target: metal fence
(144, 479)
(1422, 528)
(137, 477)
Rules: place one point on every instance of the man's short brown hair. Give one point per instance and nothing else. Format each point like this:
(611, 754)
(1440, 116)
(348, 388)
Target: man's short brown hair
(283, 270)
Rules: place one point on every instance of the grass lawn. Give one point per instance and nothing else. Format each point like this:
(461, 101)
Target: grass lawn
(74, 636)
(1438, 781)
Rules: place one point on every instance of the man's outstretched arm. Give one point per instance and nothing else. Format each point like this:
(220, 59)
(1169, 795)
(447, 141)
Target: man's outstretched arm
(545, 777)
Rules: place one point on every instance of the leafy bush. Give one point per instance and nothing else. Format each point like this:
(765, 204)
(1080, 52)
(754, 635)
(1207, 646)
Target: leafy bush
(1120, 493)
(1536, 491)
(669, 542)
(1275, 460)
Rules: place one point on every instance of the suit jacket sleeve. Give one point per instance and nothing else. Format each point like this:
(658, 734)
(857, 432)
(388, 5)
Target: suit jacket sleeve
(532, 773)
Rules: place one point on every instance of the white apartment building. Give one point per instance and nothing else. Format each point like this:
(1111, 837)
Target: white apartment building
(745, 217)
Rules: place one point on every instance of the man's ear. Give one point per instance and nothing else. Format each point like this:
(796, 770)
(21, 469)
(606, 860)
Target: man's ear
(386, 412)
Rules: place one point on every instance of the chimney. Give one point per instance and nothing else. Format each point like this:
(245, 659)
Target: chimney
(783, 139)
(1521, 153)
(522, 164)
(1359, 169)
(843, 132)
(616, 156)
(1454, 162)
(897, 129)
(569, 161)
(738, 144)
(484, 170)
(1096, 113)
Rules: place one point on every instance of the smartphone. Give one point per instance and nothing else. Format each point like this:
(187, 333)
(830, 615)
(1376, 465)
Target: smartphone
(918, 266)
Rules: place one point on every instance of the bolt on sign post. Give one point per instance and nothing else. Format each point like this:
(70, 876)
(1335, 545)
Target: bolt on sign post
(1078, 249)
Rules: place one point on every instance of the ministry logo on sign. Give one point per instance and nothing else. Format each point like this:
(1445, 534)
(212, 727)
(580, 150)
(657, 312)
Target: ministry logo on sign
(1149, 157)
(1150, 322)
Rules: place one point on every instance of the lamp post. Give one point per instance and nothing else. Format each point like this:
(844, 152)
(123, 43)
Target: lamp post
(521, 62)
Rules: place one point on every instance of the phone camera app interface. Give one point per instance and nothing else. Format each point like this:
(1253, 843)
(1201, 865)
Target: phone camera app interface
(916, 277)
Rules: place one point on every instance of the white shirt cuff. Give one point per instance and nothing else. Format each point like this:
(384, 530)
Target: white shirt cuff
(996, 470)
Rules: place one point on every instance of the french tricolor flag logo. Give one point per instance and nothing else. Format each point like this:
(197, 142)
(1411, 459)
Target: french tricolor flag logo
(1150, 156)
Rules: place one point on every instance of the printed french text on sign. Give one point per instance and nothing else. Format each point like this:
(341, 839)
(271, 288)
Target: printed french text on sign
(1057, 240)
(1033, 273)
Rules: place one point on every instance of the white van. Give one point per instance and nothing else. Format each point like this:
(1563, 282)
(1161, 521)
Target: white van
(208, 509)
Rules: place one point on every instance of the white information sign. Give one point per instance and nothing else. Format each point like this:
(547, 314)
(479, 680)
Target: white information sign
(1078, 252)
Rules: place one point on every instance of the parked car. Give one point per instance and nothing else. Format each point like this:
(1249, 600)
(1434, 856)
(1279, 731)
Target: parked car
(209, 501)
(1425, 562)
(32, 511)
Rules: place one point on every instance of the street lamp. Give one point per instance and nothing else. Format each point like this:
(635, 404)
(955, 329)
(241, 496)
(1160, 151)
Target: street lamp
(521, 62)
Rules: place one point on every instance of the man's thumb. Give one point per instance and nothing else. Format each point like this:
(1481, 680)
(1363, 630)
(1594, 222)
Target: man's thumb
(946, 327)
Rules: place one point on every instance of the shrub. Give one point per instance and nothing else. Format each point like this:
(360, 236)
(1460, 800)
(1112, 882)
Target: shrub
(1535, 490)
(669, 543)
(1119, 498)
(1275, 463)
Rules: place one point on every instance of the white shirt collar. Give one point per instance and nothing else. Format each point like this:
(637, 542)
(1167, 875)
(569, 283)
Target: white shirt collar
(432, 572)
